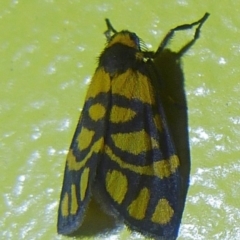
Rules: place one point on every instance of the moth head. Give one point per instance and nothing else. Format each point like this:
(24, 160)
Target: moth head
(125, 38)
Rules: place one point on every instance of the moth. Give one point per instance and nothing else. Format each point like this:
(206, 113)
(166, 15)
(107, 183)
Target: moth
(122, 151)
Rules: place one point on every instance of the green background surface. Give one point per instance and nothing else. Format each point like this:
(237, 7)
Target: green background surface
(48, 53)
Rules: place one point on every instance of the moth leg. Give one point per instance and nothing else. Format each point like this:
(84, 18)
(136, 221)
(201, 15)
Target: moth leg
(170, 34)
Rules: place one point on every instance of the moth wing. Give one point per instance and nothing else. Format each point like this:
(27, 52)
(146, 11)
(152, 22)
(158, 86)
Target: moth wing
(84, 155)
(138, 175)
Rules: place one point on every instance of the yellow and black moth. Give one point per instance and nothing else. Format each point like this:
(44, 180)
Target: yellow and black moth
(122, 151)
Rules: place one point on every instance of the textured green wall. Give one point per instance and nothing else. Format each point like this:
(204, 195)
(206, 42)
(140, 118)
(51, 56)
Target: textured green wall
(48, 53)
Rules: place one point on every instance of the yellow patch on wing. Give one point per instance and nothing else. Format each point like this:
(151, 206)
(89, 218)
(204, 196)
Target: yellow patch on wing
(160, 169)
(85, 138)
(74, 202)
(97, 84)
(97, 111)
(84, 183)
(64, 205)
(158, 122)
(165, 168)
(138, 207)
(75, 165)
(115, 178)
(121, 114)
(163, 212)
(127, 142)
(134, 86)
